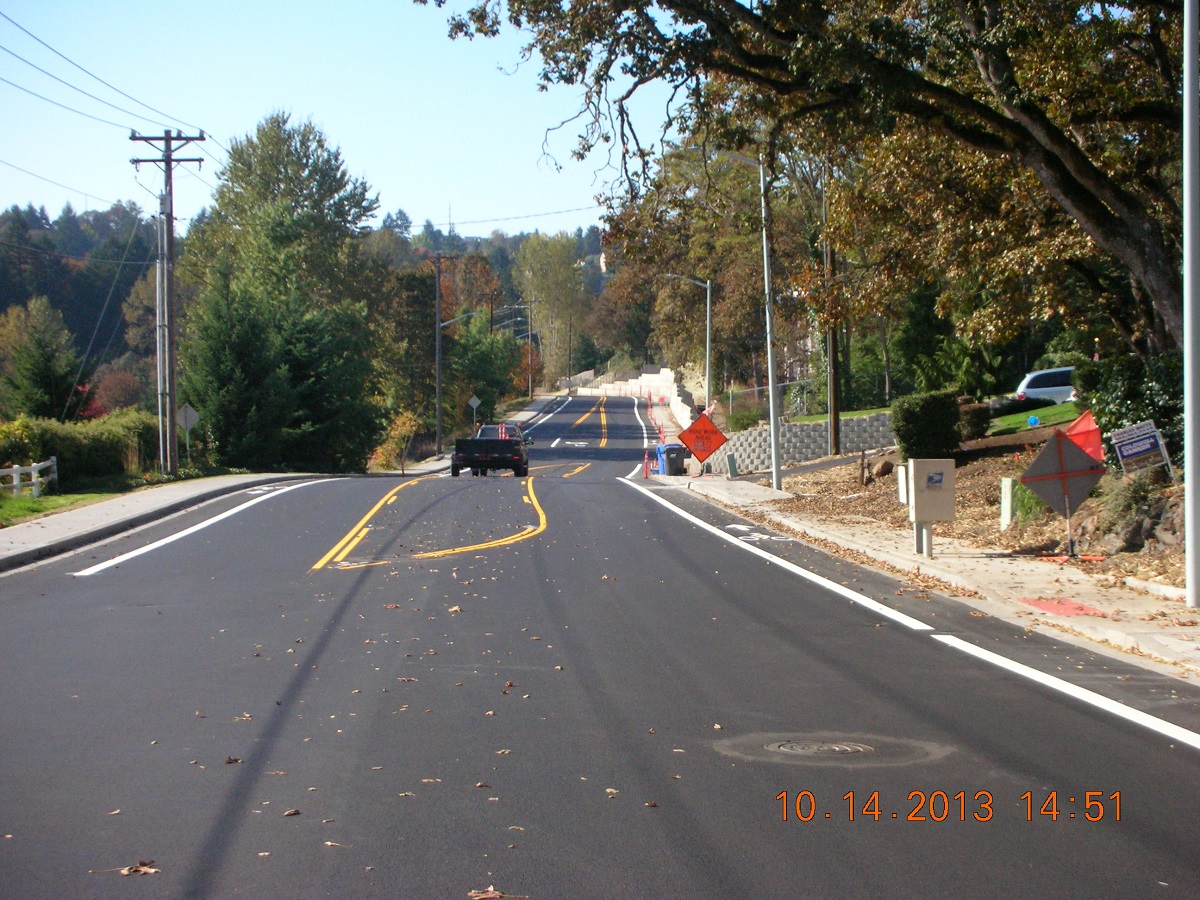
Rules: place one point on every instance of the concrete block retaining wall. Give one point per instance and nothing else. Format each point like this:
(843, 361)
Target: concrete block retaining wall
(800, 443)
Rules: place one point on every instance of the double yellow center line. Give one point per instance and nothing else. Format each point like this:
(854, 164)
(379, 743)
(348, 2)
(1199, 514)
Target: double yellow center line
(355, 535)
(597, 407)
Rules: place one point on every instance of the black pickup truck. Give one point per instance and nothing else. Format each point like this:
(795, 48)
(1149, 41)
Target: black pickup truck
(493, 447)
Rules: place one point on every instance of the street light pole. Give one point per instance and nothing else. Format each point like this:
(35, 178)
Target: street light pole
(707, 285)
(772, 402)
(437, 354)
(769, 305)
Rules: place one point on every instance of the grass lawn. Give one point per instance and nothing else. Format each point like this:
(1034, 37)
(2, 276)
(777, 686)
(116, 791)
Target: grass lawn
(19, 509)
(1060, 414)
(821, 417)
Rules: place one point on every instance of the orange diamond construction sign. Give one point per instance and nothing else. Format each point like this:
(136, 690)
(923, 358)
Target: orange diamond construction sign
(702, 437)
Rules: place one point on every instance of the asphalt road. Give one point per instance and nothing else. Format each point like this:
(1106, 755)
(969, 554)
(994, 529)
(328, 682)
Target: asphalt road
(570, 685)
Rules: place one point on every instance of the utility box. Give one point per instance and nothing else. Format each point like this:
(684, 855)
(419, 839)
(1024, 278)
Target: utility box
(930, 499)
(930, 490)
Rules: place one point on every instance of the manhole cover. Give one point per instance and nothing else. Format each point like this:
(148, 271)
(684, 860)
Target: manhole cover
(831, 749)
(819, 748)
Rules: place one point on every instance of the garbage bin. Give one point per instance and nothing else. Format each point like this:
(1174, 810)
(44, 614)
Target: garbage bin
(671, 459)
(660, 464)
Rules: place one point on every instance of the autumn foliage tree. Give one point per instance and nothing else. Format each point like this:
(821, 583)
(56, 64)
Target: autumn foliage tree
(1083, 98)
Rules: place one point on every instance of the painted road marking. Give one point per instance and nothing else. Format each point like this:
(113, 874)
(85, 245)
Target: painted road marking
(355, 534)
(346, 545)
(577, 471)
(1098, 701)
(1128, 713)
(117, 560)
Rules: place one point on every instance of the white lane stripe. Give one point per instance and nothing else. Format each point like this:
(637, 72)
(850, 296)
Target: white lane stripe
(816, 579)
(555, 444)
(547, 415)
(1167, 729)
(117, 560)
(645, 436)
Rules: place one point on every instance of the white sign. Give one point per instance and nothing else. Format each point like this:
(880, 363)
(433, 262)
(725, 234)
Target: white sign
(187, 417)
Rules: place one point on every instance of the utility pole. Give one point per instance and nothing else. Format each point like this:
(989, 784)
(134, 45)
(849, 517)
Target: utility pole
(168, 441)
(437, 353)
(833, 381)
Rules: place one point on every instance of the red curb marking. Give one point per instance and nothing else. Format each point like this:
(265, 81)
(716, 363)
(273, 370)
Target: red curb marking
(1061, 606)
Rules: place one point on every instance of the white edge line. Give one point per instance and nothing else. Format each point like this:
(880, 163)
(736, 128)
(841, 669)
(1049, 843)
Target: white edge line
(1167, 729)
(555, 444)
(1099, 701)
(124, 557)
(841, 590)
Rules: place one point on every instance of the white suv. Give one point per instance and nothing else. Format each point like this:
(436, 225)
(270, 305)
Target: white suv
(1048, 384)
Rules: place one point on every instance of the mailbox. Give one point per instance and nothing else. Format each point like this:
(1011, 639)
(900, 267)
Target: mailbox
(930, 499)
(930, 490)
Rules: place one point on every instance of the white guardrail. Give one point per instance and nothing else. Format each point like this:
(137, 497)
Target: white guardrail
(36, 480)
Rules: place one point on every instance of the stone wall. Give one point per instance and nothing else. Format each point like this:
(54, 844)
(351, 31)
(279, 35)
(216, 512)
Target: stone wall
(800, 443)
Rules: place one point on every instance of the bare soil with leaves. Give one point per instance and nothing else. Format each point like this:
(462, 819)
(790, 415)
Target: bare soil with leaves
(1136, 540)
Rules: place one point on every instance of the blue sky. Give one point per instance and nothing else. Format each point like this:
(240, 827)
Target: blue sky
(446, 130)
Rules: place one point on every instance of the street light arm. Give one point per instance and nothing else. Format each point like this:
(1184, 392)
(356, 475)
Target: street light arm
(464, 316)
(703, 284)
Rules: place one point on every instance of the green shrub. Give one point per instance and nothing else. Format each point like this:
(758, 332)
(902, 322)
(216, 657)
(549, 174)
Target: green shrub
(117, 444)
(1027, 505)
(1013, 406)
(746, 417)
(926, 425)
(973, 420)
(20, 442)
(1125, 390)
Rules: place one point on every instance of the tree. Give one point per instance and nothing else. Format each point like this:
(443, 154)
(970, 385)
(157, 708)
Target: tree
(1084, 96)
(285, 212)
(291, 384)
(234, 373)
(39, 379)
(552, 284)
(398, 222)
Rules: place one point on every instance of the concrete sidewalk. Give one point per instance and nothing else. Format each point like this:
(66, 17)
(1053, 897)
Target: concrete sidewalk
(1049, 597)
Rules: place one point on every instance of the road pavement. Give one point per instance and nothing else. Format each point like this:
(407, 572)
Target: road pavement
(584, 683)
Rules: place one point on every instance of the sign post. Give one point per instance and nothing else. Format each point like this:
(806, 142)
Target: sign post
(187, 419)
(474, 404)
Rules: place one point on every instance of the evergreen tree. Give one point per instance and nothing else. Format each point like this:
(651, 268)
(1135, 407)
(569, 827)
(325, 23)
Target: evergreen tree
(41, 371)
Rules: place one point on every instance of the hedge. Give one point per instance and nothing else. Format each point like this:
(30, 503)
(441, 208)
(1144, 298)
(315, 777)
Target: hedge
(117, 444)
(974, 420)
(927, 425)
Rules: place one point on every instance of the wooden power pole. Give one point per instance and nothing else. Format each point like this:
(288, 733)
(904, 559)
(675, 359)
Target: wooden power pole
(168, 442)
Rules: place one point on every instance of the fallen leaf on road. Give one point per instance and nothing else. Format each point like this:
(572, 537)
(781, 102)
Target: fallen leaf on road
(492, 894)
(115, 812)
(292, 812)
(145, 867)
(230, 760)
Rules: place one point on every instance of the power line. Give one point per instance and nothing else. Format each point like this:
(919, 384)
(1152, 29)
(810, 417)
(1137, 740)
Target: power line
(557, 212)
(85, 259)
(97, 77)
(128, 112)
(57, 184)
(64, 106)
